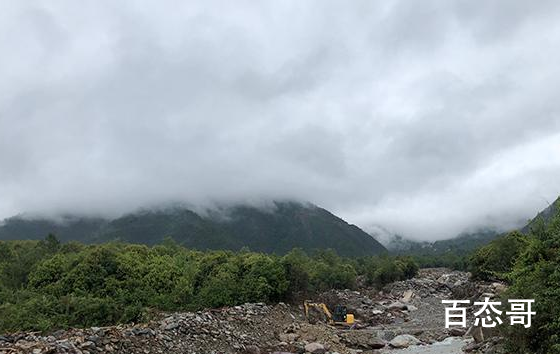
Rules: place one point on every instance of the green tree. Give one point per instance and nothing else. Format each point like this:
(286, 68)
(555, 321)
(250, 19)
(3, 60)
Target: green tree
(496, 260)
(536, 275)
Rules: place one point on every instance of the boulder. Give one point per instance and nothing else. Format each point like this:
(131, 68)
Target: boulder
(315, 348)
(471, 347)
(476, 333)
(171, 326)
(407, 296)
(288, 337)
(397, 305)
(411, 308)
(252, 349)
(499, 287)
(457, 332)
(362, 340)
(404, 341)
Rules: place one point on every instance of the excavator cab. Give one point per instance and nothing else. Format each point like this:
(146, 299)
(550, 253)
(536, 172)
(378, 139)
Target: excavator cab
(340, 313)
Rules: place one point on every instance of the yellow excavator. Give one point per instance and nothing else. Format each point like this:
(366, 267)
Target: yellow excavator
(339, 317)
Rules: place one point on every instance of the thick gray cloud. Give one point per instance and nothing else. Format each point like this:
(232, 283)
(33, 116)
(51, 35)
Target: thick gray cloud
(426, 118)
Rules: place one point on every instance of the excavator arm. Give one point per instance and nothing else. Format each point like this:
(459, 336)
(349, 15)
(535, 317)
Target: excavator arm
(308, 304)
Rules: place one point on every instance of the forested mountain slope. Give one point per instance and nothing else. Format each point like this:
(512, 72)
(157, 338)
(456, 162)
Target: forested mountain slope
(278, 229)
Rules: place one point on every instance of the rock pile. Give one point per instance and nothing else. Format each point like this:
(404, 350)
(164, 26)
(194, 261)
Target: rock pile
(228, 330)
(431, 282)
(403, 314)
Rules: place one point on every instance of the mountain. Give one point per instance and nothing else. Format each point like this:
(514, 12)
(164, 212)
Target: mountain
(465, 242)
(544, 216)
(462, 244)
(398, 244)
(278, 229)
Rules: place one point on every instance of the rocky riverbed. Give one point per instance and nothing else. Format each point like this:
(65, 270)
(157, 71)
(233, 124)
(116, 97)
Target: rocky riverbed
(404, 317)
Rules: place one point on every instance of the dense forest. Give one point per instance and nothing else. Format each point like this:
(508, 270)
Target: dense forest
(530, 263)
(46, 285)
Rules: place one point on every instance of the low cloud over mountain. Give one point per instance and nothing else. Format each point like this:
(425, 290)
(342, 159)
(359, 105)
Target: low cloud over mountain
(425, 118)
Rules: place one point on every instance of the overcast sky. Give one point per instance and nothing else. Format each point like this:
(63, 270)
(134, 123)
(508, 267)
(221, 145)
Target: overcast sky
(424, 117)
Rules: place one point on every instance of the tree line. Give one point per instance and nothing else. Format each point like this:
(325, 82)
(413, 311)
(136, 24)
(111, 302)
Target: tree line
(46, 285)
